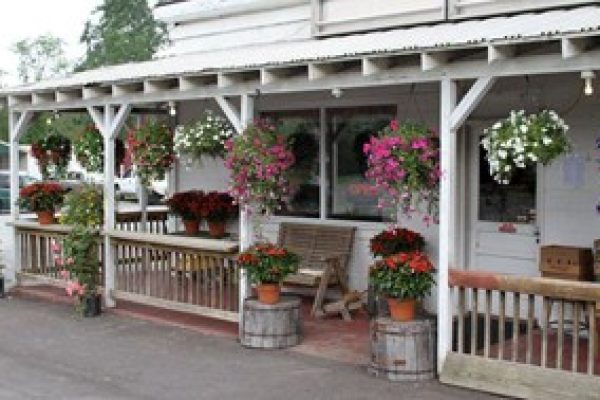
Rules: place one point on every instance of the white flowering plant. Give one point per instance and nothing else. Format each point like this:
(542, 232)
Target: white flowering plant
(523, 140)
(205, 137)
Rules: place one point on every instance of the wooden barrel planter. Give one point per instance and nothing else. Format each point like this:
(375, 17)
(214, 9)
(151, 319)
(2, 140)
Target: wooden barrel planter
(403, 351)
(274, 326)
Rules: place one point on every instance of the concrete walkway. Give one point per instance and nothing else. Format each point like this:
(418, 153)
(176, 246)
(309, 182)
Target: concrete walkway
(48, 353)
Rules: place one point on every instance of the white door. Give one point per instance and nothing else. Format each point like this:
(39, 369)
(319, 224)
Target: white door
(503, 227)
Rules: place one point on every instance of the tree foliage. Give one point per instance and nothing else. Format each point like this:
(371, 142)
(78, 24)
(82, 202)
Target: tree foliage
(121, 31)
(40, 58)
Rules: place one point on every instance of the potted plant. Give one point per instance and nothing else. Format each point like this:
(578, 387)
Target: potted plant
(83, 206)
(205, 137)
(267, 266)
(79, 259)
(42, 198)
(188, 205)
(403, 279)
(53, 153)
(403, 161)
(520, 141)
(151, 149)
(217, 208)
(88, 147)
(396, 240)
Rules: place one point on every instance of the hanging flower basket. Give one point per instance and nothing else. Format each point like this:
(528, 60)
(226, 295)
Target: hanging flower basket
(521, 141)
(259, 160)
(88, 147)
(404, 163)
(151, 148)
(206, 137)
(53, 153)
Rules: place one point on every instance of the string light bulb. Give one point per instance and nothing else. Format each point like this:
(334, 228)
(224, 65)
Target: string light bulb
(588, 77)
(172, 109)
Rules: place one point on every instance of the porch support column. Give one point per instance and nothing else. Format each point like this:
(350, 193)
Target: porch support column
(453, 115)
(246, 226)
(448, 95)
(17, 126)
(109, 124)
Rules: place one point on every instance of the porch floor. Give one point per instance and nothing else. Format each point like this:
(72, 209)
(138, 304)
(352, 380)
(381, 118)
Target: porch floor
(330, 338)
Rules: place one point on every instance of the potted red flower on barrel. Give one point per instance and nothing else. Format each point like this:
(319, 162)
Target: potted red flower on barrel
(188, 205)
(403, 279)
(268, 265)
(42, 198)
(217, 208)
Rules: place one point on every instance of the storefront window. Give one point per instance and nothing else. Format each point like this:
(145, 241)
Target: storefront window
(303, 131)
(514, 202)
(350, 194)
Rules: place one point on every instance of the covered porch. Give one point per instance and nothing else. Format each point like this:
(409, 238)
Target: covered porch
(459, 88)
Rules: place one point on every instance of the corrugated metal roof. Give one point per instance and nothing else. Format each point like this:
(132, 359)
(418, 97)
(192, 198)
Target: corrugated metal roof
(517, 28)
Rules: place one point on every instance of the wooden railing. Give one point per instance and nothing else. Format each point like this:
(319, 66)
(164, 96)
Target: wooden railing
(179, 273)
(36, 253)
(175, 272)
(543, 328)
(132, 221)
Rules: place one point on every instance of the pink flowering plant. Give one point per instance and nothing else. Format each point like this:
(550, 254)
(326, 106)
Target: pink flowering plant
(78, 262)
(152, 151)
(259, 160)
(404, 164)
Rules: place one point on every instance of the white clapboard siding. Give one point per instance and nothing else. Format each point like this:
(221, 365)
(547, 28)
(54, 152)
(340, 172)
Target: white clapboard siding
(258, 27)
(476, 8)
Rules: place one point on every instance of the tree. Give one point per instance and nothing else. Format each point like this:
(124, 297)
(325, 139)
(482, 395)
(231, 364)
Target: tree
(40, 58)
(121, 31)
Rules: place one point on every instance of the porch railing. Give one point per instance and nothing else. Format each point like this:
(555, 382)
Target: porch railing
(132, 221)
(178, 273)
(538, 328)
(36, 253)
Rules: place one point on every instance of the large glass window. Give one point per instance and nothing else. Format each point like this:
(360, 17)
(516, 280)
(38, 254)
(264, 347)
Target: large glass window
(302, 129)
(514, 202)
(348, 129)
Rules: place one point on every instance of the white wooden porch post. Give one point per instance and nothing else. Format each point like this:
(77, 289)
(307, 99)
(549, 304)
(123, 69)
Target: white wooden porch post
(246, 229)
(109, 125)
(452, 115)
(448, 97)
(17, 125)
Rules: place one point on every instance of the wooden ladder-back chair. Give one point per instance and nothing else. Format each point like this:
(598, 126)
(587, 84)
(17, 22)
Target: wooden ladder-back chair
(324, 251)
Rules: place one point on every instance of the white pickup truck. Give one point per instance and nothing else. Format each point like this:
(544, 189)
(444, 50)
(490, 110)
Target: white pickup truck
(126, 188)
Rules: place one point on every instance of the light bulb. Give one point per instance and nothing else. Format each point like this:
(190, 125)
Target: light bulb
(589, 87)
(172, 109)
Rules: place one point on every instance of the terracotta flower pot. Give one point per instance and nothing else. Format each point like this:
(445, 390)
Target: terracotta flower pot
(191, 227)
(216, 229)
(402, 310)
(46, 217)
(269, 293)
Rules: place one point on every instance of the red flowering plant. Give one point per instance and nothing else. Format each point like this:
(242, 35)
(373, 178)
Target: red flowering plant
(218, 207)
(151, 150)
(260, 160)
(42, 196)
(268, 264)
(403, 276)
(53, 153)
(403, 161)
(188, 205)
(396, 240)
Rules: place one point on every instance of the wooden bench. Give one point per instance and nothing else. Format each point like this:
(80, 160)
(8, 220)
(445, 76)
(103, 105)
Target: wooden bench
(324, 251)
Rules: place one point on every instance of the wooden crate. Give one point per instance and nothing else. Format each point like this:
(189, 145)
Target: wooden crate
(565, 262)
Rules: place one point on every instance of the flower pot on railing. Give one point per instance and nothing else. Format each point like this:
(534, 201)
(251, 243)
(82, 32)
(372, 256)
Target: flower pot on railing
(216, 229)
(402, 310)
(46, 217)
(269, 293)
(192, 227)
